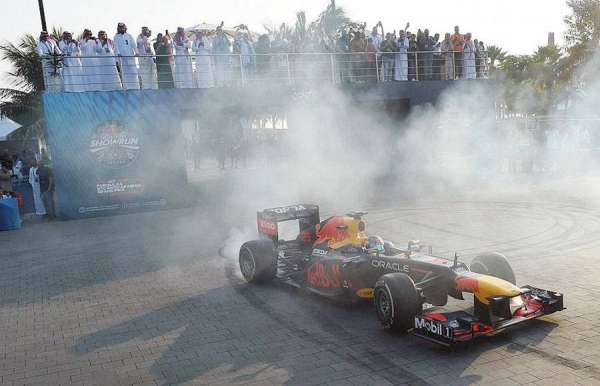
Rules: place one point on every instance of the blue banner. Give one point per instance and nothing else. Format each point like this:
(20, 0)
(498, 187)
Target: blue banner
(116, 152)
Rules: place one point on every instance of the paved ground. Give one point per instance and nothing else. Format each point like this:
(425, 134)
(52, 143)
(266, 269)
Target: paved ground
(148, 299)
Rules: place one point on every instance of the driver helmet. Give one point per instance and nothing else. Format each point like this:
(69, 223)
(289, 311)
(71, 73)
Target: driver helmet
(375, 242)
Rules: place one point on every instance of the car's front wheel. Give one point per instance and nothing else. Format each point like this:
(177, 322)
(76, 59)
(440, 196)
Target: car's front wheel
(397, 301)
(494, 264)
(258, 261)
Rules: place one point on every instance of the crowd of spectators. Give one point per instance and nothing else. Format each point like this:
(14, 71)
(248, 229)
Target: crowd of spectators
(34, 171)
(215, 59)
(528, 146)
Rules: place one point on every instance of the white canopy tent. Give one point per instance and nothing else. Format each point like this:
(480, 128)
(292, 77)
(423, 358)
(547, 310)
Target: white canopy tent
(7, 126)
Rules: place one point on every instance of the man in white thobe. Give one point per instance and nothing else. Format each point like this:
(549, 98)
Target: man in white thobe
(48, 49)
(34, 180)
(126, 49)
(107, 66)
(401, 73)
(91, 78)
(204, 73)
(183, 61)
(72, 73)
(146, 60)
(469, 69)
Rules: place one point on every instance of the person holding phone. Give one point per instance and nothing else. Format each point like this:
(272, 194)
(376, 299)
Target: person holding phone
(126, 49)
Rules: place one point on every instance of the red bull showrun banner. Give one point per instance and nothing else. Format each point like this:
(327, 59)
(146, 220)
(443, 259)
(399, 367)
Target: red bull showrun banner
(116, 152)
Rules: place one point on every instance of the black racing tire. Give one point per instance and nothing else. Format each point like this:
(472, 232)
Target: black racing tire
(494, 264)
(396, 301)
(258, 261)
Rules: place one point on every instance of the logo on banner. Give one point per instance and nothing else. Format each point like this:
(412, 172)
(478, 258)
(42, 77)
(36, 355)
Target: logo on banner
(114, 144)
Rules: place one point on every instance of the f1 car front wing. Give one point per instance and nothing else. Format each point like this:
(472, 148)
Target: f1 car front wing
(454, 328)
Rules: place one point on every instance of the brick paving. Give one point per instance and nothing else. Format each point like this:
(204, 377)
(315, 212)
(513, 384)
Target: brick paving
(147, 299)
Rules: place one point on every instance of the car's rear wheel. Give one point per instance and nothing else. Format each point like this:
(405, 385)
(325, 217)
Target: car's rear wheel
(258, 261)
(494, 264)
(396, 301)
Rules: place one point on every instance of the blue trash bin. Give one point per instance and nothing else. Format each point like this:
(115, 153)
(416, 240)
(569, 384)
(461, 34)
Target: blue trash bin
(9, 214)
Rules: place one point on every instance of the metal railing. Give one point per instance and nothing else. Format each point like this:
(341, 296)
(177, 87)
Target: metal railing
(106, 73)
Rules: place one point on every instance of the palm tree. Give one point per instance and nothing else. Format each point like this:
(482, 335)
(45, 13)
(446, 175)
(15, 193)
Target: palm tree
(300, 29)
(332, 19)
(22, 102)
(543, 74)
(583, 32)
(583, 25)
(496, 56)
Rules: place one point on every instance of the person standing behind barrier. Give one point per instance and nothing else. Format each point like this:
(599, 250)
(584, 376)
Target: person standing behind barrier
(412, 57)
(388, 50)
(34, 180)
(481, 53)
(427, 46)
(107, 65)
(221, 47)
(204, 73)
(147, 70)
(446, 48)
(469, 69)
(164, 54)
(357, 46)
(89, 64)
(184, 77)
(248, 55)
(458, 41)
(401, 58)
(341, 47)
(263, 57)
(126, 49)
(371, 61)
(48, 50)
(72, 75)
(47, 188)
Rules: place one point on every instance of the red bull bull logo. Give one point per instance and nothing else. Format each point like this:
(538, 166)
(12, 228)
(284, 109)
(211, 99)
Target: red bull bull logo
(333, 231)
(324, 276)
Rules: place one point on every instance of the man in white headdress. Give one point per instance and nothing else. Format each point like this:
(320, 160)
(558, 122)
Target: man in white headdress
(204, 73)
(107, 65)
(221, 48)
(401, 73)
(87, 45)
(183, 61)
(126, 49)
(48, 49)
(146, 60)
(469, 69)
(72, 74)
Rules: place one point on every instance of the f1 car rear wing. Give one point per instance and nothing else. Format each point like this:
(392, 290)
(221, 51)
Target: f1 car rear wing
(267, 220)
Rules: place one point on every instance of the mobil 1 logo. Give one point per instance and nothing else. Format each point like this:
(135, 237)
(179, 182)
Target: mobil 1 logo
(433, 329)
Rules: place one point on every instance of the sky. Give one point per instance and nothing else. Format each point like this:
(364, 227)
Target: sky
(518, 26)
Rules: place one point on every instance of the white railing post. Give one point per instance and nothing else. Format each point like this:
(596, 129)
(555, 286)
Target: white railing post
(242, 70)
(416, 65)
(287, 58)
(331, 58)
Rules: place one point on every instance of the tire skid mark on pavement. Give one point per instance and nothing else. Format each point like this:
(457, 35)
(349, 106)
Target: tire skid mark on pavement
(574, 364)
(553, 244)
(326, 324)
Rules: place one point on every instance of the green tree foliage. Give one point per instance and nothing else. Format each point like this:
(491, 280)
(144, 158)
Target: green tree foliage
(333, 19)
(583, 29)
(22, 102)
(496, 56)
